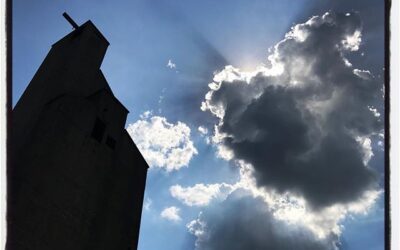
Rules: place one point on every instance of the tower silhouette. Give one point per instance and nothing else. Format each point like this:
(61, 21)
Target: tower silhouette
(76, 179)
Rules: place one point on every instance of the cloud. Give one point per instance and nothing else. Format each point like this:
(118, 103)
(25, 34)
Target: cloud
(171, 213)
(304, 119)
(352, 42)
(200, 194)
(147, 204)
(365, 74)
(288, 208)
(202, 130)
(171, 65)
(244, 222)
(163, 144)
(204, 133)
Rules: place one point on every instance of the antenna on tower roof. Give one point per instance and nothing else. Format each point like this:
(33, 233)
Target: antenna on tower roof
(70, 20)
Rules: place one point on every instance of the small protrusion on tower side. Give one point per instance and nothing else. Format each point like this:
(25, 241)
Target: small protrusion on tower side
(70, 20)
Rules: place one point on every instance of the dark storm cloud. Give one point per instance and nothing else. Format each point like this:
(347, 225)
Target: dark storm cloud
(242, 222)
(302, 129)
(372, 13)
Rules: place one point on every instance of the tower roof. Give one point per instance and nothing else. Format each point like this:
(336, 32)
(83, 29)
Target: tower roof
(87, 26)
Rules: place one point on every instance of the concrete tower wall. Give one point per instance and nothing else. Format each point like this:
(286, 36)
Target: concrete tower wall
(76, 179)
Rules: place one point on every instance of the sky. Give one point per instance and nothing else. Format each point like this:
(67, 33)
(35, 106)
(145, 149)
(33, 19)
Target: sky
(261, 121)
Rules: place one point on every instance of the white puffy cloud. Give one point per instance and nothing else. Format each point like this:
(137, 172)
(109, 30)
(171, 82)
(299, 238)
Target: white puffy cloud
(171, 213)
(352, 42)
(147, 204)
(202, 130)
(365, 74)
(163, 144)
(204, 133)
(374, 111)
(200, 194)
(170, 64)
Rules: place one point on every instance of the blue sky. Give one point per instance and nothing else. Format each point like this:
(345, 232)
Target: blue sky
(199, 38)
